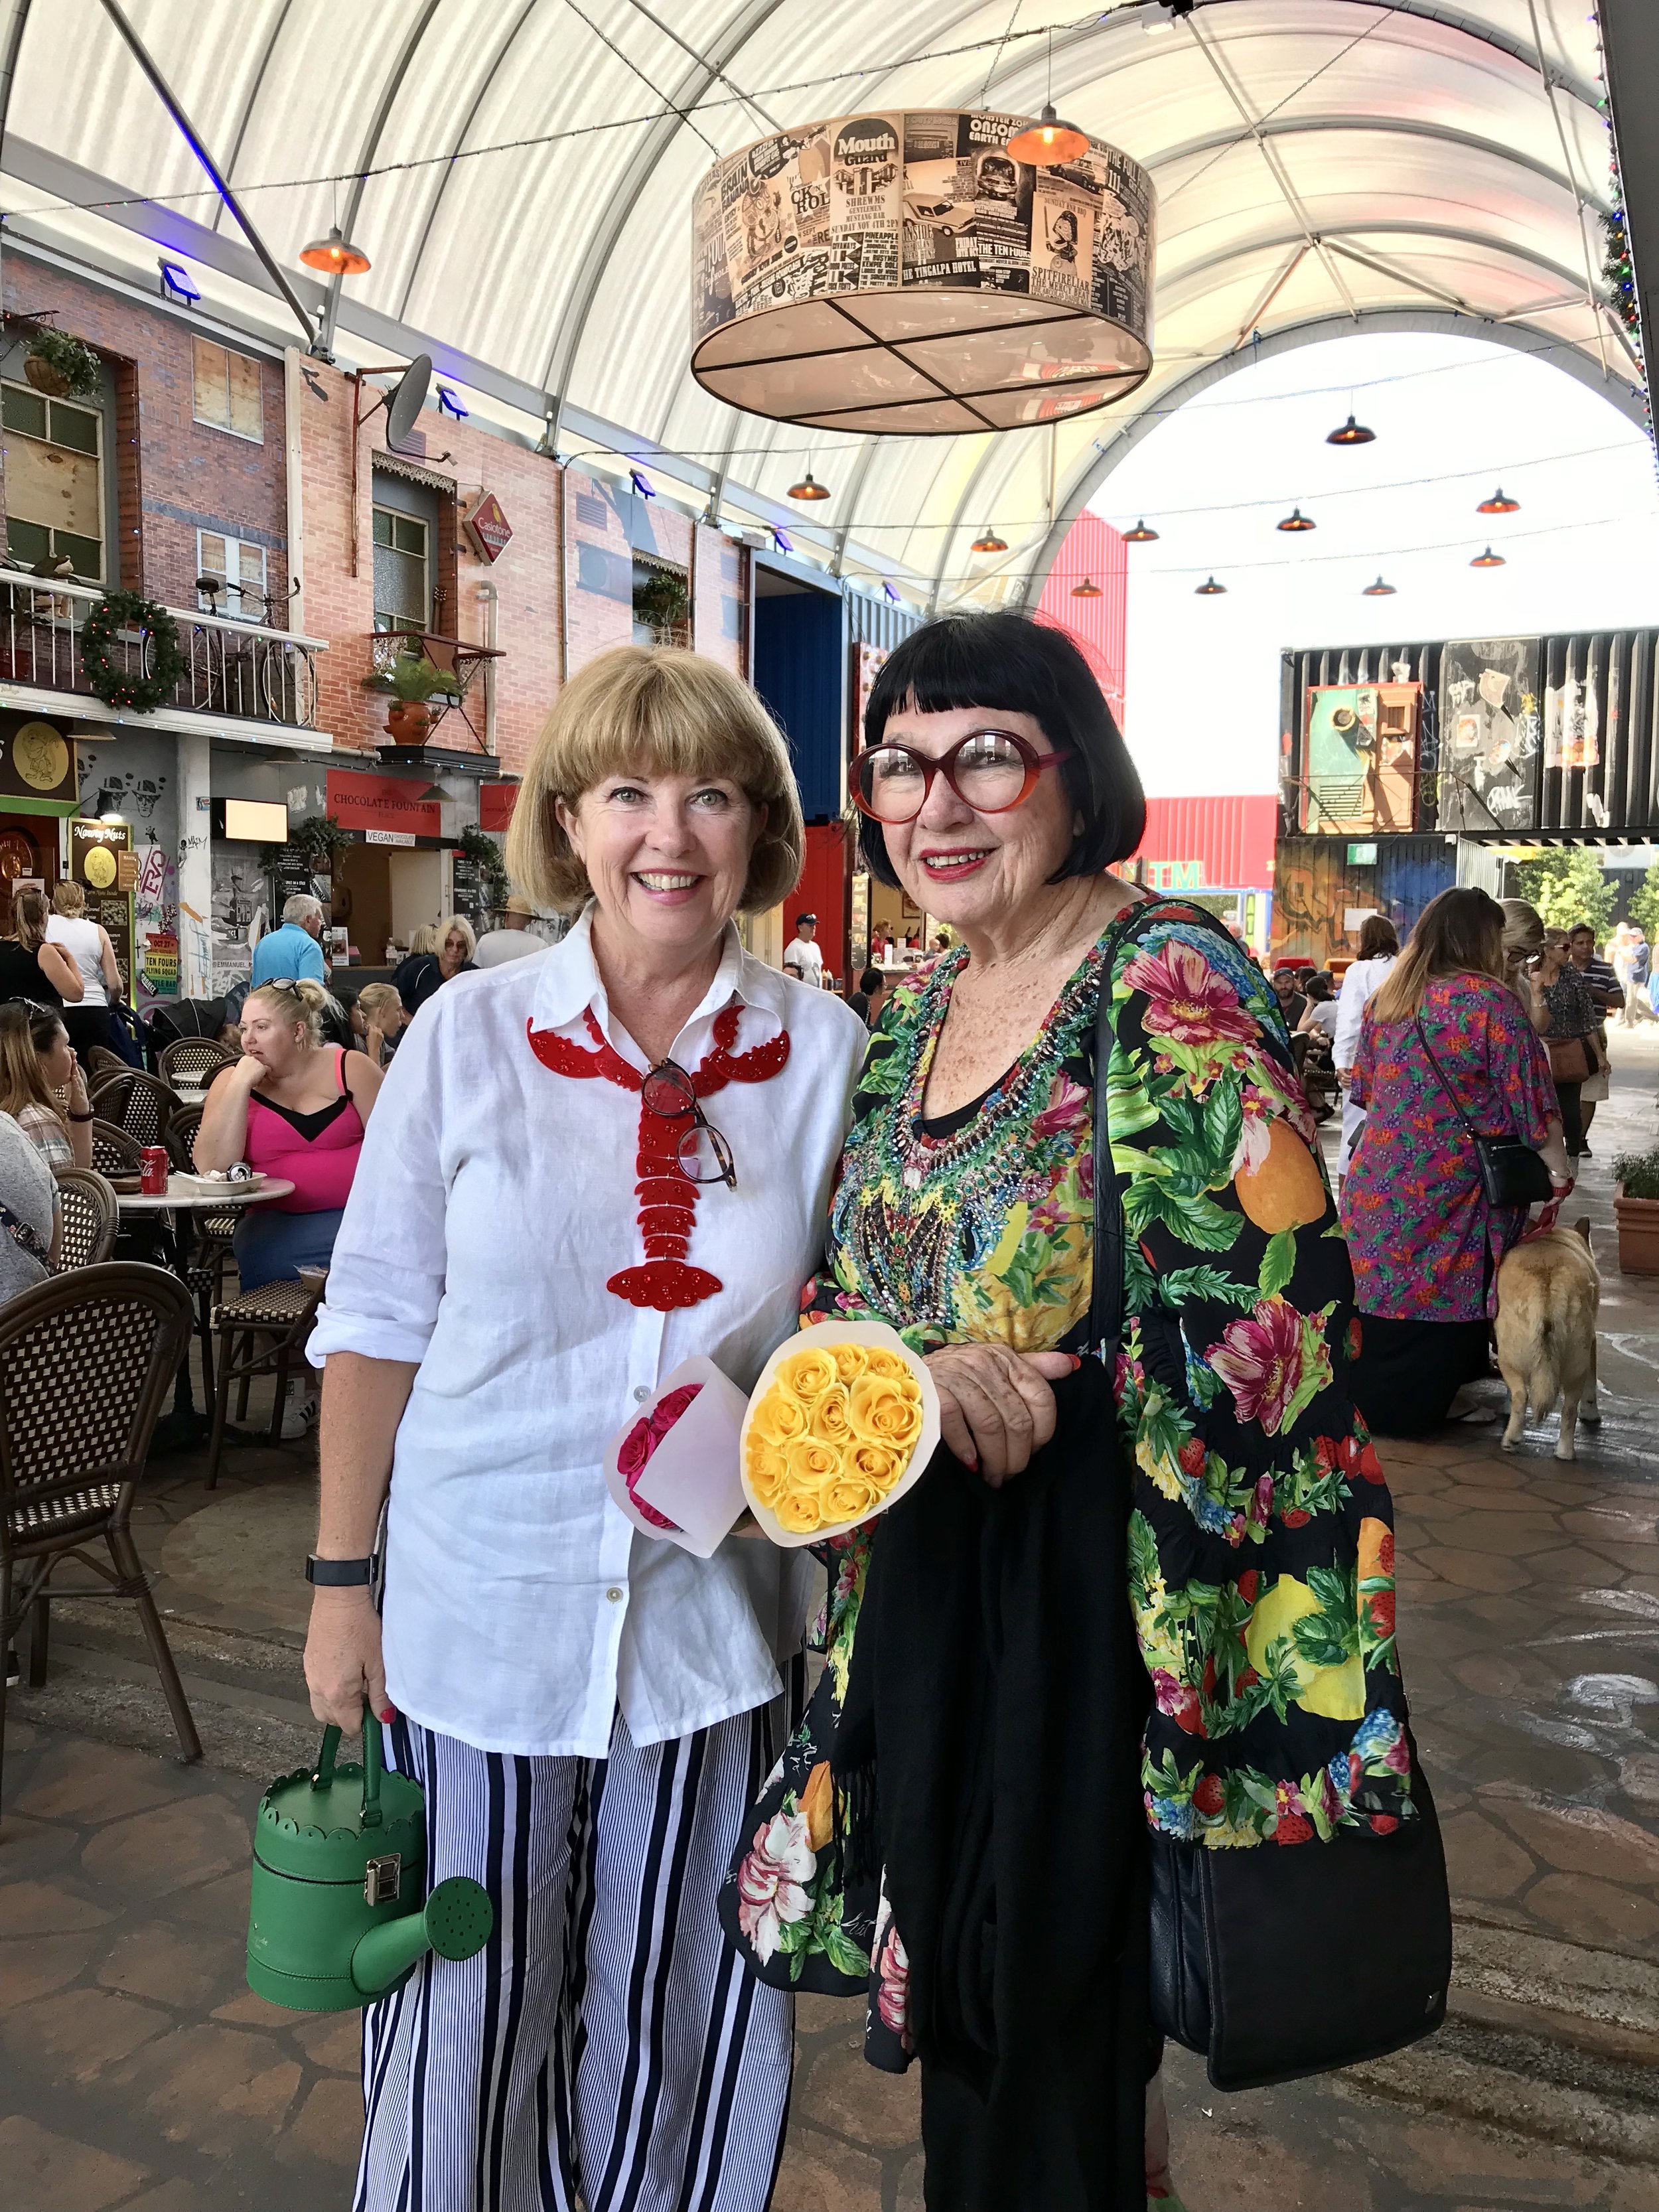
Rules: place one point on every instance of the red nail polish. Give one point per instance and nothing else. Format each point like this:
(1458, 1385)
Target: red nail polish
(389, 1715)
(969, 1461)
(1077, 1361)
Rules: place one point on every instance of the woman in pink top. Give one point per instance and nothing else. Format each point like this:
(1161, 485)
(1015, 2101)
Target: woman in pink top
(290, 1109)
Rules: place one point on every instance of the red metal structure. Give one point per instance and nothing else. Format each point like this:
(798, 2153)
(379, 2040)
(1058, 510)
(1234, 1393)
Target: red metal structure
(1095, 550)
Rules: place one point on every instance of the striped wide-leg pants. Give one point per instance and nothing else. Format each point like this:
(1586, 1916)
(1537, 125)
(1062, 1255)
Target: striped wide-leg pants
(605, 2050)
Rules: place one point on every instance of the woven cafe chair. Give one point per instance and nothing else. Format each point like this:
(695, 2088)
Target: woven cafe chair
(205, 1238)
(114, 1152)
(139, 1103)
(260, 1333)
(85, 1362)
(102, 1063)
(194, 1056)
(90, 1217)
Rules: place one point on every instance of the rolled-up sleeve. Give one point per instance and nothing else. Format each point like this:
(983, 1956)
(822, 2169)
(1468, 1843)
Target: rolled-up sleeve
(386, 1280)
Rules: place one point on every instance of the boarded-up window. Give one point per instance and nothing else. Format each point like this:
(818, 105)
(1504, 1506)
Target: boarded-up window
(229, 391)
(54, 482)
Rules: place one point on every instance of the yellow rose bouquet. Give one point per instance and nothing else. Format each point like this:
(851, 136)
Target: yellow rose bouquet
(842, 1421)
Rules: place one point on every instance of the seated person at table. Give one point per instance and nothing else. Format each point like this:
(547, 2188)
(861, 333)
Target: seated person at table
(378, 1020)
(36, 1065)
(290, 1109)
(28, 1208)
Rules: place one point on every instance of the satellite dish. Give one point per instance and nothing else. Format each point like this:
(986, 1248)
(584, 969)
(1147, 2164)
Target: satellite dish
(406, 398)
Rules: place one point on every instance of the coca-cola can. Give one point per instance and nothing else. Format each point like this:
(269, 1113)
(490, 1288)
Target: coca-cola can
(153, 1183)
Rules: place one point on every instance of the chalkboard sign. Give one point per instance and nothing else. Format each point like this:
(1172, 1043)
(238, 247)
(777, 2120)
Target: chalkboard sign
(1490, 732)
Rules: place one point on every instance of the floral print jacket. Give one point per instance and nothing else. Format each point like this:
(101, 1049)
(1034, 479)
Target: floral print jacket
(1262, 1546)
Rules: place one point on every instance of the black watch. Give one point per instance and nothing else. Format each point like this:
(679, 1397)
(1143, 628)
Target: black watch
(339, 1574)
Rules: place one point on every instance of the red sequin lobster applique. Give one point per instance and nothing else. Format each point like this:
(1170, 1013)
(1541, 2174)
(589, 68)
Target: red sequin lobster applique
(667, 1195)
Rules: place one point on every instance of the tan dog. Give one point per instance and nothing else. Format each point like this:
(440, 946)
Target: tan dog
(1549, 1290)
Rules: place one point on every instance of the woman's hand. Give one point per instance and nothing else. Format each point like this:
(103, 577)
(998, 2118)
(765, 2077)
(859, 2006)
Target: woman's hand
(345, 1670)
(79, 1102)
(250, 1072)
(995, 1405)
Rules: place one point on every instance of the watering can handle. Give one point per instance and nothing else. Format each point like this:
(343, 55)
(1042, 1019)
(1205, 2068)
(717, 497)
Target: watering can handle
(323, 1776)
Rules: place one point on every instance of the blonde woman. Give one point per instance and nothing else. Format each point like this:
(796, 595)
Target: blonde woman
(290, 1108)
(37, 1067)
(436, 956)
(87, 945)
(30, 968)
(584, 1169)
(378, 1020)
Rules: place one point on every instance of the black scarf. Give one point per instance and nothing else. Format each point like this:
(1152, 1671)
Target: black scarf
(997, 1691)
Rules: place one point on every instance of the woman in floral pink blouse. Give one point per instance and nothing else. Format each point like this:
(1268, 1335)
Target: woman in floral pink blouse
(1423, 1242)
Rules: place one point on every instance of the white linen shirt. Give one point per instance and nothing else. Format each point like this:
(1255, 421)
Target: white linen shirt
(493, 1201)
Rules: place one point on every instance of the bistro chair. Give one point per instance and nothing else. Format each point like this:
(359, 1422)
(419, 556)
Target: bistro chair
(206, 1254)
(90, 1216)
(114, 1152)
(85, 1362)
(141, 1105)
(260, 1333)
(199, 1058)
(102, 1063)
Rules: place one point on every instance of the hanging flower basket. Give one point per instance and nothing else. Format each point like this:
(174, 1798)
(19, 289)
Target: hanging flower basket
(102, 662)
(63, 366)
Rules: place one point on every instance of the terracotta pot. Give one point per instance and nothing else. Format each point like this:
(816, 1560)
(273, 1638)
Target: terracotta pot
(1639, 1233)
(45, 378)
(408, 721)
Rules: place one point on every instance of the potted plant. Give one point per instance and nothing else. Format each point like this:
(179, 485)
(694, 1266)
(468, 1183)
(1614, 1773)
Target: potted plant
(411, 680)
(63, 366)
(1636, 1210)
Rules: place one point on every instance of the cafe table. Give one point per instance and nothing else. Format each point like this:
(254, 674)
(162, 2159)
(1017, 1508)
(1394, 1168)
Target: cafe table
(189, 1193)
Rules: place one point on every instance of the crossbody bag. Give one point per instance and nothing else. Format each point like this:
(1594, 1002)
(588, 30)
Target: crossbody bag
(1511, 1174)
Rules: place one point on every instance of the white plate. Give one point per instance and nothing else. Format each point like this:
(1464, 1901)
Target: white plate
(824, 1333)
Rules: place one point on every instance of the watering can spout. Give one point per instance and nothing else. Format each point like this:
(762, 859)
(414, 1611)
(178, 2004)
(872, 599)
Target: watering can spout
(456, 1923)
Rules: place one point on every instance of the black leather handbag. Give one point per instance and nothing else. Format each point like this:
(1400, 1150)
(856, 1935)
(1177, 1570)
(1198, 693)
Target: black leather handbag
(1276, 1963)
(1511, 1173)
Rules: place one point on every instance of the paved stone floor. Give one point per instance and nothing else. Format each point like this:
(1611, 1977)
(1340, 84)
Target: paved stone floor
(139, 2074)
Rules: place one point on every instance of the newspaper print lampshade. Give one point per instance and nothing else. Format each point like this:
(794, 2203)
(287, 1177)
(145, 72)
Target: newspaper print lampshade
(902, 272)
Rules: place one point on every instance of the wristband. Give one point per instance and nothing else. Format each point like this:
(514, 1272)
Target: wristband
(339, 1574)
(84, 1117)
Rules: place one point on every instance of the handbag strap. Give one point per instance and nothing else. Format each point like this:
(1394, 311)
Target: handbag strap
(1457, 1107)
(23, 1237)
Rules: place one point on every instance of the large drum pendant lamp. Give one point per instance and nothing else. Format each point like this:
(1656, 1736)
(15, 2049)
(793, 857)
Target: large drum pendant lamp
(902, 271)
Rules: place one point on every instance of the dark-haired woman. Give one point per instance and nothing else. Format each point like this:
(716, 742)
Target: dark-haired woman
(981, 1875)
(1379, 948)
(1445, 1042)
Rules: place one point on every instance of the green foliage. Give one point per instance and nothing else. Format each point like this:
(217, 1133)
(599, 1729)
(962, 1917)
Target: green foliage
(1638, 1173)
(1567, 886)
(661, 600)
(486, 856)
(412, 678)
(71, 358)
(162, 666)
(1644, 906)
(318, 838)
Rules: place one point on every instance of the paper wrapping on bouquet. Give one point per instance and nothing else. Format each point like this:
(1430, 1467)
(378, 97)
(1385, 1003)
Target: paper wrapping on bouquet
(828, 1337)
(672, 1467)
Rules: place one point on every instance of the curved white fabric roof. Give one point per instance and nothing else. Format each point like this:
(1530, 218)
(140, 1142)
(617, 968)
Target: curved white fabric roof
(1318, 162)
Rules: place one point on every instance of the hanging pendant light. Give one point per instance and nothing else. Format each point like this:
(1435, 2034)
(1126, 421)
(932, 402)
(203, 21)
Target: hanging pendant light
(1210, 591)
(1297, 520)
(1088, 589)
(1352, 433)
(336, 256)
(1379, 590)
(808, 488)
(1140, 535)
(1498, 504)
(1049, 141)
(1488, 559)
(988, 542)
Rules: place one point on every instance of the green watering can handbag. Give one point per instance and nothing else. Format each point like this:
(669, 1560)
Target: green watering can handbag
(338, 1914)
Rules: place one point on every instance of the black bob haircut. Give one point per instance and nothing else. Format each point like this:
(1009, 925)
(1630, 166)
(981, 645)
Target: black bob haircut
(1008, 663)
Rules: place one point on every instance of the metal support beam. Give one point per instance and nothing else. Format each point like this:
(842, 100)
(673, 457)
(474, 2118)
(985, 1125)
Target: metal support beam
(1629, 46)
(164, 92)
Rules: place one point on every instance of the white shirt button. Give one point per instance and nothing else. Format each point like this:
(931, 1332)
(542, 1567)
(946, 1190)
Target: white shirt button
(641, 1393)
(615, 1597)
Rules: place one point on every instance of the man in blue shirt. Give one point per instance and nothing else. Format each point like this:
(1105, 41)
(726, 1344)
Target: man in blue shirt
(292, 952)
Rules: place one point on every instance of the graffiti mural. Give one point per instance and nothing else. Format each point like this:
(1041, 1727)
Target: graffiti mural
(1490, 734)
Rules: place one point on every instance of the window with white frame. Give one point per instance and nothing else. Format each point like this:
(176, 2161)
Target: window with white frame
(239, 569)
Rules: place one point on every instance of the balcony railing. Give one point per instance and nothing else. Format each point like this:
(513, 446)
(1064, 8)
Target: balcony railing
(233, 668)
